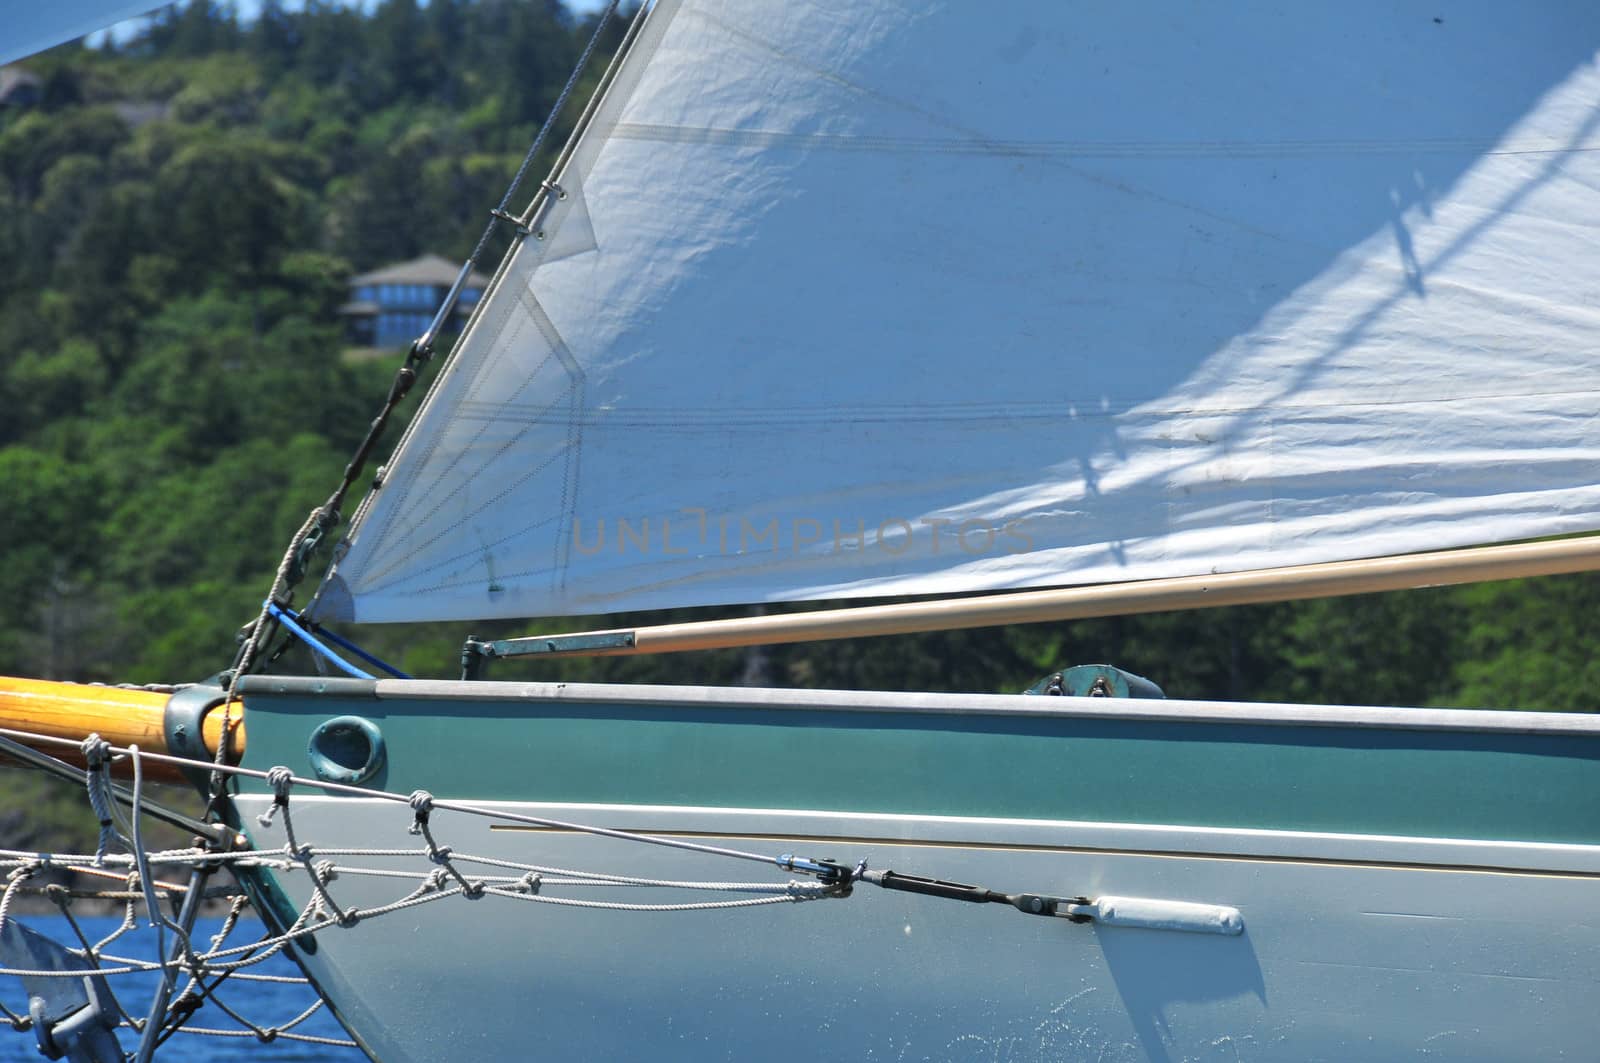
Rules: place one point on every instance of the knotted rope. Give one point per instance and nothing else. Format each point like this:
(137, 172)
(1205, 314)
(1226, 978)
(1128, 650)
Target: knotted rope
(97, 779)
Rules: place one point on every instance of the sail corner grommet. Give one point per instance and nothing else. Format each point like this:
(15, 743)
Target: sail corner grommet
(346, 749)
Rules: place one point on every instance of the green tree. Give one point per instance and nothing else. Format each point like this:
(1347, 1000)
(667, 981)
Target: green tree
(48, 594)
(1528, 644)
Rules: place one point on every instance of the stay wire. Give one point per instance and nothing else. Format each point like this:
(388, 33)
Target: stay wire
(502, 211)
(324, 518)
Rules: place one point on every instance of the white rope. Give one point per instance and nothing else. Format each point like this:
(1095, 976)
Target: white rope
(281, 780)
(305, 1038)
(422, 804)
(619, 906)
(448, 806)
(129, 921)
(14, 882)
(97, 780)
(439, 878)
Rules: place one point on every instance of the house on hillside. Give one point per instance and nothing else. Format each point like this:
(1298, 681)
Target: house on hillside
(19, 88)
(392, 306)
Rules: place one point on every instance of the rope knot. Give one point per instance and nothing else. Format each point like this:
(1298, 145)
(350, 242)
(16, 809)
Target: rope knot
(435, 880)
(97, 781)
(531, 882)
(441, 855)
(267, 1035)
(187, 1005)
(96, 751)
(421, 802)
(349, 917)
(326, 871)
(281, 779)
(472, 890)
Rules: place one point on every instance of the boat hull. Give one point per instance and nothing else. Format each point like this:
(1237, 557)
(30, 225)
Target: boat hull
(1356, 944)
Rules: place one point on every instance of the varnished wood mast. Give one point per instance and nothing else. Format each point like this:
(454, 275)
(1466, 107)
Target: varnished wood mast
(122, 717)
(1332, 579)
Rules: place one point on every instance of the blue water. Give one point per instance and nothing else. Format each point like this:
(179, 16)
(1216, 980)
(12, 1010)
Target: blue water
(264, 1003)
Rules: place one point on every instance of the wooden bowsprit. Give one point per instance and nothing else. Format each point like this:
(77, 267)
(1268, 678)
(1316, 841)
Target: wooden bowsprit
(123, 717)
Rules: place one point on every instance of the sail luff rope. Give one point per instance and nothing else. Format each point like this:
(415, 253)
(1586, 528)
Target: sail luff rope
(522, 224)
(325, 517)
(503, 209)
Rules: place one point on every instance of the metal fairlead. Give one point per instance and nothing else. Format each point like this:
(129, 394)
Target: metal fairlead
(1096, 681)
(181, 724)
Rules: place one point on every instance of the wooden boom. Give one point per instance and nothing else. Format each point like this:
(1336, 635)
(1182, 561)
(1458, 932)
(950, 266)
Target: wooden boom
(122, 717)
(1331, 579)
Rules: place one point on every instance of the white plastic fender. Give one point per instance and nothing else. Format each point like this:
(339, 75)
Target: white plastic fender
(1152, 914)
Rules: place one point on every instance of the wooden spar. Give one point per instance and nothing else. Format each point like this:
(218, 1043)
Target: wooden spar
(122, 717)
(1328, 580)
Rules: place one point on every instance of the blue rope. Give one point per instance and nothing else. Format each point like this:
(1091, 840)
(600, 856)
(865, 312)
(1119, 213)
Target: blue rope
(305, 636)
(346, 644)
(288, 618)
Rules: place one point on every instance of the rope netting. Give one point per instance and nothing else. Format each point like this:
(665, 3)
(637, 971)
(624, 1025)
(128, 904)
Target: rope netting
(428, 873)
(199, 972)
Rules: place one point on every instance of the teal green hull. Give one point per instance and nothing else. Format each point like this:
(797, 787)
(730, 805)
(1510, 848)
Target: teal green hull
(1008, 757)
(1409, 883)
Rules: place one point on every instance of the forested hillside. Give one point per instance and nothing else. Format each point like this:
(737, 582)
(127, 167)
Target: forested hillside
(179, 214)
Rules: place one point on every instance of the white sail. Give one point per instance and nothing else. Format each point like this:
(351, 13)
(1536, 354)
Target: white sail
(33, 27)
(846, 299)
